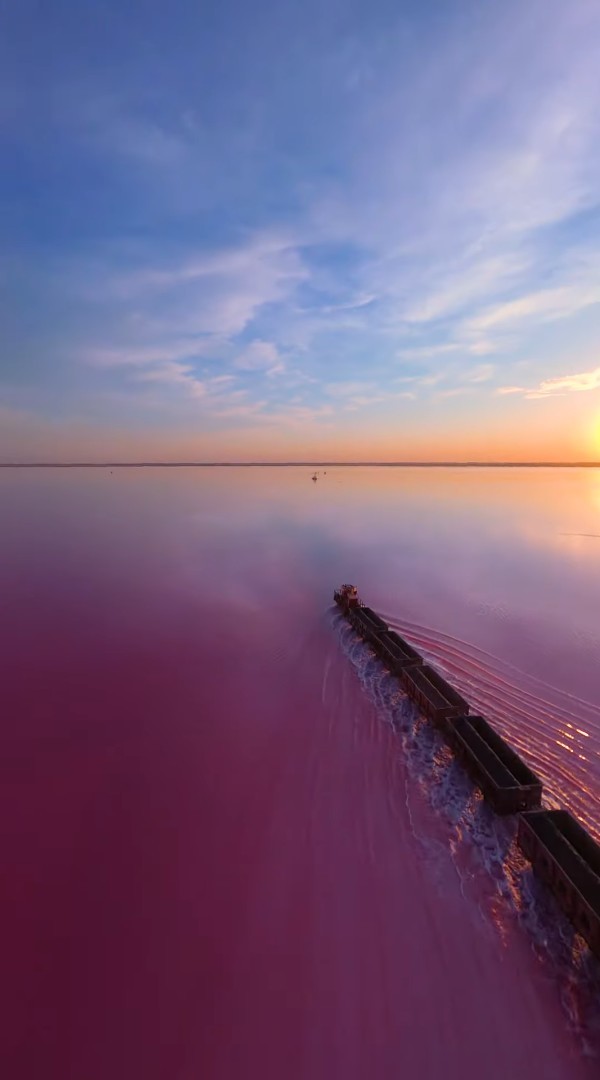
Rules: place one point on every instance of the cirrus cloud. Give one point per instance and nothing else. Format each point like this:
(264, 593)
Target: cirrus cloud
(577, 382)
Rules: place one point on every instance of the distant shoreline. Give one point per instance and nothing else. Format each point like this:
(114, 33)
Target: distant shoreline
(299, 464)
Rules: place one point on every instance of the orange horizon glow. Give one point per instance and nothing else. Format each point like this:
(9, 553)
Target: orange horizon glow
(563, 431)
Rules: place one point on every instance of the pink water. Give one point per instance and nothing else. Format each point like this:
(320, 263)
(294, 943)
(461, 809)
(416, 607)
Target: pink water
(230, 847)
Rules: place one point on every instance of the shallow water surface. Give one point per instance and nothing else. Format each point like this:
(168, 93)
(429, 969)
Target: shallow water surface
(231, 847)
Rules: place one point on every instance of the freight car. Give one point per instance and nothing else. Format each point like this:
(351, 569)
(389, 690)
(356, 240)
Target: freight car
(359, 618)
(434, 696)
(395, 652)
(566, 857)
(507, 783)
(379, 626)
(368, 627)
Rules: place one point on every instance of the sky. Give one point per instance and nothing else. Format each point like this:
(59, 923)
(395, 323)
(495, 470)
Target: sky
(300, 230)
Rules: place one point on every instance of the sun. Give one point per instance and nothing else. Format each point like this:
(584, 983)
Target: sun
(593, 438)
(596, 439)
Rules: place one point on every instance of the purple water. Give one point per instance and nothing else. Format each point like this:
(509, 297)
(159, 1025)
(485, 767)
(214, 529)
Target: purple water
(230, 846)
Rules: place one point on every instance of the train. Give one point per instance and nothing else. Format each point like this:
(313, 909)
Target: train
(561, 852)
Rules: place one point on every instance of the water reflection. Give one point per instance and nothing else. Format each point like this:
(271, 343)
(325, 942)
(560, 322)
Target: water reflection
(226, 826)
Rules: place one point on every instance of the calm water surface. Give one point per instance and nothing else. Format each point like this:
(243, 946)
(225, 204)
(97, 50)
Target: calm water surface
(231, 848)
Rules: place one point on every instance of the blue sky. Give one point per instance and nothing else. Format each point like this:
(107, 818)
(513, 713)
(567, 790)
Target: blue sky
(297, 226)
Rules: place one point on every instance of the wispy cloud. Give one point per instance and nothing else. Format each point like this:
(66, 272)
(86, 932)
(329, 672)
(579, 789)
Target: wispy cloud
(467, 375)
(424, 380)
(503, 390)
(482, 373)
(216, 293)
(139, 355)
(221, 380)
(177, 375)
(565, 384)
(428, 352)
(301, 416)
(109, 123)
(244, 411)
(544, 305)
(453, 391)
(262, 356)
(466, 283)
(579, 382)
(349, 389)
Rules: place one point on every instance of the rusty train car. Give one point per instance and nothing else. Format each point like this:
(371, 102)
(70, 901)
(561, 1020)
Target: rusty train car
(560, 850)
(508, 784)
(395, 652)
(434, 696)
(567, 859)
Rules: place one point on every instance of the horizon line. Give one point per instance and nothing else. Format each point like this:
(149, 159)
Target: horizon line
(297, 464)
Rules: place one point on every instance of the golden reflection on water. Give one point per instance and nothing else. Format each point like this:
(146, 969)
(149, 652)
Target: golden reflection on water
(579, 731)
(594, 486)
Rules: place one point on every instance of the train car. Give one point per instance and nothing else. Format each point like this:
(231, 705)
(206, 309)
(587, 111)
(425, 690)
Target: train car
(396, 653)
(357, 620)
(567, 859)
(434, 696)
(373, 625)
(375, 619)
(360, 618)
(507, 783)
